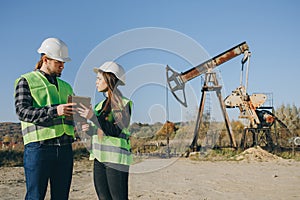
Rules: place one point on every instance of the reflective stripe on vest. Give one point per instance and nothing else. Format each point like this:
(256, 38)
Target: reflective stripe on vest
(112, 149)
(45, 94)
(28, 128)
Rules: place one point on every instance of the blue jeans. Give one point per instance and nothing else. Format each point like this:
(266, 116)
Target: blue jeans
(43, 163)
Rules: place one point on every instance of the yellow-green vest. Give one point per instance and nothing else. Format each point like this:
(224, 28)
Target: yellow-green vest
(45, 94)
(112, 149)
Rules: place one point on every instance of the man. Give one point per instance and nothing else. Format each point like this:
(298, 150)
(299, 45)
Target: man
(41, 105)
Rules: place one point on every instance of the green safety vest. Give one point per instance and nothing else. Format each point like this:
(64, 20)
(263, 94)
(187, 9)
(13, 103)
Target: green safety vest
(45, 94)
(112, 149)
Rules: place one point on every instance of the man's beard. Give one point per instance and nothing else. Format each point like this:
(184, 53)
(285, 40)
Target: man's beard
(53, 73)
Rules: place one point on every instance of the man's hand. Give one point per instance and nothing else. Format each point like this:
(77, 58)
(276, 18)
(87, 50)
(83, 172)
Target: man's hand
(66, 109)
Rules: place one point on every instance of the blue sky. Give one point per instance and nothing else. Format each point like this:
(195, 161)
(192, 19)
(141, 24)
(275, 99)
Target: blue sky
(270, 28)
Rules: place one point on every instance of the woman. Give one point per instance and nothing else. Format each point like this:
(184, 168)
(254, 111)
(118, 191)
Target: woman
(111, 149)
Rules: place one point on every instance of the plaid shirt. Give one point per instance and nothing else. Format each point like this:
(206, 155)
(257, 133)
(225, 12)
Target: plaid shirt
(24, 104)
(25, 110)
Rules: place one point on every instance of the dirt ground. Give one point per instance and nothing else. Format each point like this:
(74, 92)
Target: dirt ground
(254, 174)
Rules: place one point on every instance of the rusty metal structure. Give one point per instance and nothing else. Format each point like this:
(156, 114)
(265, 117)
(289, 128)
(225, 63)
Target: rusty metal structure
(262, 123)
(260, 116)
(176, 82)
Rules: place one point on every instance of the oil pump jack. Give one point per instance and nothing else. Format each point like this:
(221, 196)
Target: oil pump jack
(176, 82)
(252, 108)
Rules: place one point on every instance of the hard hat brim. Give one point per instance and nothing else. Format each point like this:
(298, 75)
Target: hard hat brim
(60, 59)
(96, 70)
(68, 59)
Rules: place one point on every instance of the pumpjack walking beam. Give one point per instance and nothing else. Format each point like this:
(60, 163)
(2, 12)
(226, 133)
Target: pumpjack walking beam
(177, 82)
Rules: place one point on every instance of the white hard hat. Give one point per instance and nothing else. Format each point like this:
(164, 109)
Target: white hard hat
(114, 68)
(54, 48)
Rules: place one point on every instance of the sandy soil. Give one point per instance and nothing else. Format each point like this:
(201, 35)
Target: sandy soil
(256, 175)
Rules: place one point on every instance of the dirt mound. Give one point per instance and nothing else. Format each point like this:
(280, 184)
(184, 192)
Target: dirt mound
(256, 154)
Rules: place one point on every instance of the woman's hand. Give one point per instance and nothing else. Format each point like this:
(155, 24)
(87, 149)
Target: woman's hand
(100, 133)
(85, 112)
(85, 127)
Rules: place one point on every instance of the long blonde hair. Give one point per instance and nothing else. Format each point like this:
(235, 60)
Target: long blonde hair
(115, 100)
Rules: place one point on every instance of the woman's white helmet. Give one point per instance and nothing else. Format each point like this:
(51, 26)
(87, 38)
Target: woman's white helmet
(114, 68)
(55, 48)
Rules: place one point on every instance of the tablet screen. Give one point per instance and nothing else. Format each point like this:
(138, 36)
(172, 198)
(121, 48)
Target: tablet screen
(86, 101)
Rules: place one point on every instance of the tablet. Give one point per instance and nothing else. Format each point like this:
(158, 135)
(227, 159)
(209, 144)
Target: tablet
(86, 101)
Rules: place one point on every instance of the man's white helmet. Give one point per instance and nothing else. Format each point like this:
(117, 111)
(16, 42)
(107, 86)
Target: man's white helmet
(114, 68)
(54, 48)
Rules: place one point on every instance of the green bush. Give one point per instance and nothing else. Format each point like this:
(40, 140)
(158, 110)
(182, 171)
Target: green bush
(80, 153)
(11, 158)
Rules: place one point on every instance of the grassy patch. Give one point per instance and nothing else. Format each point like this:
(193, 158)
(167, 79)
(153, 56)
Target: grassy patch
(225, 154)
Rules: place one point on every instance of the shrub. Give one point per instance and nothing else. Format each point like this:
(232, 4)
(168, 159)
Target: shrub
(11, 158)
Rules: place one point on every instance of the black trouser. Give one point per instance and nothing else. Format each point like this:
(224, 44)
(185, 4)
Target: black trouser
(111, 180)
